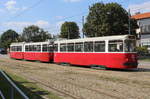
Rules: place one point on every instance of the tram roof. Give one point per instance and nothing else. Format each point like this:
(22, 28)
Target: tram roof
(29, 43)
(118, 37)
(36, 43)
(17, 44)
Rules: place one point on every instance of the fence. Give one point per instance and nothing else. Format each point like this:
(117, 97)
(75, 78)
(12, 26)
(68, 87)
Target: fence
(13, 89)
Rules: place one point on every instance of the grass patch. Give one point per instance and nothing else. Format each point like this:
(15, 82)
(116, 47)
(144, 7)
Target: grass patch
(144, 59)
(29, 88)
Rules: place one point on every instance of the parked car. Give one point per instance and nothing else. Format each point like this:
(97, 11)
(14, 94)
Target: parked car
(3, 51)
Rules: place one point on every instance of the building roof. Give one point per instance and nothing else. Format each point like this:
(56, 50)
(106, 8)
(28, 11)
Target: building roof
(141, 16)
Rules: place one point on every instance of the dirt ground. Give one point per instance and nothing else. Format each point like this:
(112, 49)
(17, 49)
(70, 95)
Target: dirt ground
(70, 82)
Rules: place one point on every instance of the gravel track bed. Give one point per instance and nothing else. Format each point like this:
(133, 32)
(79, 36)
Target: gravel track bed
(83, 83)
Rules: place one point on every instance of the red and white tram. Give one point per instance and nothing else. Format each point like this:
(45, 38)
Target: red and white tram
(110, 52)
(41, 51)
(16, 50)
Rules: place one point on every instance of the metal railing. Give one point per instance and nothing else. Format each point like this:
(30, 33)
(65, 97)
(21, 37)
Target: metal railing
(13, 88)
(1, 94)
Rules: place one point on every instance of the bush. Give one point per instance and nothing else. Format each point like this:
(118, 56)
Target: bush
(142, 51)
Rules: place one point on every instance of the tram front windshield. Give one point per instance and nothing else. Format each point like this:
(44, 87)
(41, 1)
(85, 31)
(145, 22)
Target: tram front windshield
(130, 45)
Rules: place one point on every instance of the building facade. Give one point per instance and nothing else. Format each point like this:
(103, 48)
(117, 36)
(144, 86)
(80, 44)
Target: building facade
(143, 32)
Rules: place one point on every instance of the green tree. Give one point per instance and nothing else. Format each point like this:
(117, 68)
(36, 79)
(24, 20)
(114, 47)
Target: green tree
(35, 34)
(69, 30)
(107, 19)
(8, 37)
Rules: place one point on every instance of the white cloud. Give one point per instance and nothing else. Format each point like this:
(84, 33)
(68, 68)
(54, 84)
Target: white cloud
(143, 7)
(11, 6)
(72, 0)
(40, 23)
(18, 26)
(59, 17)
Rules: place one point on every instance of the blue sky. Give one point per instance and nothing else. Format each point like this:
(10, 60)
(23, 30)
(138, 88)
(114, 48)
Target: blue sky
(50, 14)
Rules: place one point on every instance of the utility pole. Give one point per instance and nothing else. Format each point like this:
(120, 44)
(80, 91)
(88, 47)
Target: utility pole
(129, 19)
(83, 26)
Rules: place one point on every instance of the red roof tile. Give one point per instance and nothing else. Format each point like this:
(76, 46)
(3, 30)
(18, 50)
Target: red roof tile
(141, 16)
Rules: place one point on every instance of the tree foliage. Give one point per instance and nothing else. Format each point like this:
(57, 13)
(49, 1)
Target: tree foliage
(34, 34)
(69, 30)
(108, 19)
(8, 37)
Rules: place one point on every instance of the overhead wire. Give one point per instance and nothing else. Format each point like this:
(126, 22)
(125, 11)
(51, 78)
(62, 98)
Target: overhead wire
(21, 13)
(63, 19)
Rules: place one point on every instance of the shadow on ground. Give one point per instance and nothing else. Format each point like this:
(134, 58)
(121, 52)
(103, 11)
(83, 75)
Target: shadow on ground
(132, 70)
(30, 91)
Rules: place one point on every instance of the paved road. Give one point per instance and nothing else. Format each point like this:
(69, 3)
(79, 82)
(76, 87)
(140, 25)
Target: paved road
(4, 56)
(144, 63)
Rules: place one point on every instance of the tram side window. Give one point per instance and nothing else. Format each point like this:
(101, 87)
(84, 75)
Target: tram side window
(38, 48)
(30, 48)
(79, 47)
(26, 48)
(45, 48)
(16, 48)
(63, 47)
(130, 45)
(70, 47)
(34, 48)
(13, 48)
(99, 46)
(88, 47)
(55, 47)
(115, 46)
(19, 48)
(50, 48)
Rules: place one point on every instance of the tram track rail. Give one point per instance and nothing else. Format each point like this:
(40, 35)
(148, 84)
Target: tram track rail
(65, 92)
(60, 91)
(84, 83)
